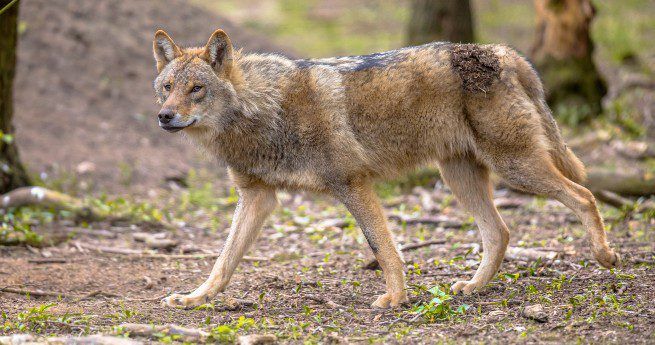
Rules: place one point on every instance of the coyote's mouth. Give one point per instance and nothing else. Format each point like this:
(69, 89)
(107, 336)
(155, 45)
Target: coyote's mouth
(172, 128)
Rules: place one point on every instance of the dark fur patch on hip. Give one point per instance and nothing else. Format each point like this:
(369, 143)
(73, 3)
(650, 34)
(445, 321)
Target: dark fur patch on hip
(478, 67)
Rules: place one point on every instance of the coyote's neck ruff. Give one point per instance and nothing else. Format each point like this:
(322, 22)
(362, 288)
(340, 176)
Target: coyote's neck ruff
(334, 125)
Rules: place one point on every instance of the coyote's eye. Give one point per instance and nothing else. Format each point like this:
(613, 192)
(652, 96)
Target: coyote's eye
(167, 87)
(196, 88)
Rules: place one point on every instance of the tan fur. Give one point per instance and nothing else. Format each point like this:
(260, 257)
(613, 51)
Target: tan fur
(335, 125)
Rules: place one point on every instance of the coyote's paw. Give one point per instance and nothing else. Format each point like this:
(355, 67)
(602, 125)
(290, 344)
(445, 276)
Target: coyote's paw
(608, 258)
(390, 300)
(182, 301)
(466, 286)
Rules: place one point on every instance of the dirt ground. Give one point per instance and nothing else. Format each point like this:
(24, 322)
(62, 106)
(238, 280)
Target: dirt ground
(84, 101)
(314, 286)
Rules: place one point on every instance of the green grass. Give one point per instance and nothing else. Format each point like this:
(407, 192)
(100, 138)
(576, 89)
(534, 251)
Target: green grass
(40, 320)
(318, 28)
(623, 29)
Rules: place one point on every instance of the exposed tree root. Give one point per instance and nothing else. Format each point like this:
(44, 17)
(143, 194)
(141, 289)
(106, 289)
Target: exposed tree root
(613, 199)
(152, 331)
(39, 196)
(633, 184)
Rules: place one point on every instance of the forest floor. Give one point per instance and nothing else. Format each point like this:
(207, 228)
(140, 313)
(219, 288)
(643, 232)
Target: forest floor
(309, 280)
(85, 124)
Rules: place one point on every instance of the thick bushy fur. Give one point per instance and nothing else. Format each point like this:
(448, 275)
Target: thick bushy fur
(334, 125)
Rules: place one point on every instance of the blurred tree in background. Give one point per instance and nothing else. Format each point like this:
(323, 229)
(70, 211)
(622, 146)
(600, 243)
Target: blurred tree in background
(440, 20)
(12, 173)
(562, 52)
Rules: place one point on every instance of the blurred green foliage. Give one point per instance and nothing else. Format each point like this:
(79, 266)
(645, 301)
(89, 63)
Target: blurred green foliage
(315, 28)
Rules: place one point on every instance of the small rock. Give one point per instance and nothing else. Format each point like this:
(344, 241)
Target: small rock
(334, 338)
(333, 222)
(85, 167)
(257, 339)
(497, 314)
(166, 243)
(535, 312)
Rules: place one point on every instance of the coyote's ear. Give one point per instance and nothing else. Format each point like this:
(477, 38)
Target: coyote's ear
(218, 51)
(165, 49)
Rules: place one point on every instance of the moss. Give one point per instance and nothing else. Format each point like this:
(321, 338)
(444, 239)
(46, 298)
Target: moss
(573, 83)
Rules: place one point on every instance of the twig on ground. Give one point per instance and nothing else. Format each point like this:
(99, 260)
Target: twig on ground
(440, 220)
(156, 298)
(97, 293)
(48, 261)
(93, 232)
(151, 254)
(374, 264)
(41, 293)
(412, 246)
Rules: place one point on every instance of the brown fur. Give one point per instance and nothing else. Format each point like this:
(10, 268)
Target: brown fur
(335, 125)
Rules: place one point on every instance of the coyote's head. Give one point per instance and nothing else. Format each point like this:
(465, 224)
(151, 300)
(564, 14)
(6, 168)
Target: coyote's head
(194, 85)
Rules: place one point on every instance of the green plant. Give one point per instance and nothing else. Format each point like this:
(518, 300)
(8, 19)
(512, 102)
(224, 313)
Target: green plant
(39, 320)
(16, 226)
(124, 314)
(439, 307)
(227, 333)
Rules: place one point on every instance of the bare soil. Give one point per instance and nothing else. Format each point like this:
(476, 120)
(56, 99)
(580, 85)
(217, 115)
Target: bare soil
(315, 286)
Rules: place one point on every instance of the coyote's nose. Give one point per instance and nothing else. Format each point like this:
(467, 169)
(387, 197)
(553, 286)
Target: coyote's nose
(166, 115)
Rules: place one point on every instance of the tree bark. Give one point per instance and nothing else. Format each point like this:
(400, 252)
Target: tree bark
(562, 52)
(440, 20)
(12, 173)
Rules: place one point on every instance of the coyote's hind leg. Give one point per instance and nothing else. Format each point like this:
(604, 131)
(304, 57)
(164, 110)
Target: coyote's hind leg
(537, 174)
(469, 182)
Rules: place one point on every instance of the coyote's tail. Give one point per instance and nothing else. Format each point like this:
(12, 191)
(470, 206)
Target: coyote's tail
(563, 158)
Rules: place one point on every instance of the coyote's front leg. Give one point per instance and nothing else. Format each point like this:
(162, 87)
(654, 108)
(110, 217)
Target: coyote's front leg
(254, 206)
(361, 201)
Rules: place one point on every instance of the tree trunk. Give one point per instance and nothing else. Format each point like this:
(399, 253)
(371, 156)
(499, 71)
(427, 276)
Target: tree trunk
(562, 52)
(440, 20)
(12, 173)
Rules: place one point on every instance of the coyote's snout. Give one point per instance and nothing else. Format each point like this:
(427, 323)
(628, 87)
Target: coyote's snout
(336, 125)
(172, 122)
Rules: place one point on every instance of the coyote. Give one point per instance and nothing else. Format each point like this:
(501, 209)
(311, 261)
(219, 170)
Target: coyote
(336, 125)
